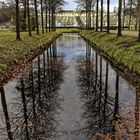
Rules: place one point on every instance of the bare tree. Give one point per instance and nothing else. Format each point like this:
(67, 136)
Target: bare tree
(87, 6)
(97, 14)
(17, 21)
(124, 12)
(108, 16)
(102, 15)
(139, 19)
(46, 15)
(36, 15)
(119, 18)
(42, 16)
(130, 15)
(5, 110)
(29, 21)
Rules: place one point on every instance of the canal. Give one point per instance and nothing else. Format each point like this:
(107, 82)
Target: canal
(69, 92)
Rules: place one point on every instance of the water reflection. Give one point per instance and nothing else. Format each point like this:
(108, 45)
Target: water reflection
(33, 114)
(103, 114)
(76, 97)
(6, 115)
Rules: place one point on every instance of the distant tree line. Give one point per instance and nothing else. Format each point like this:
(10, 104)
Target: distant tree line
(47, 7)
(125, 8)
(28, 15)
(6, 12)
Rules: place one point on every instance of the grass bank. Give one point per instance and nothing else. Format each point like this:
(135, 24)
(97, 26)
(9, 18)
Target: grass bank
(125, 50)
(13, 52)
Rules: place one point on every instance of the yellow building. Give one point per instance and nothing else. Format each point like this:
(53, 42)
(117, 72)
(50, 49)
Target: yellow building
(69, 18)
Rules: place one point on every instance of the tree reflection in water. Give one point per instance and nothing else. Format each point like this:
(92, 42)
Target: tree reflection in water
(6, 115)
(103, 116)
(33, 115)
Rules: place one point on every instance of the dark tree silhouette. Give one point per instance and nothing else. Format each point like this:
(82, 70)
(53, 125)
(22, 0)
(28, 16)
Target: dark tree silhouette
(6, 115)
(36, 16)
(86, 5)
(102, 110)
(46, 15)
(119, 18)
(42, 16)
(95, 95)
(29, 20)
(97, 16)
(139, 19)
(24, 16)
(34, 112)
(17, 21)
(102, 15)
(108, 16)
(130, 15)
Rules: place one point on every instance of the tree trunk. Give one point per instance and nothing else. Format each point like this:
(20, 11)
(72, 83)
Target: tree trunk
(130, 15)
(36, 15)
(101, 15)
(33, 101)
(42, 19)
(136, 25)
(119, 18)
(29, 22)
(97, 10)
(137, 114)
(108, 16)
(93, 16)
(6, 115)
(123, 14)
(46, 10)
(139, 18)
(24, 17)
(89, 18)
(54, 20)
(87, 14)
(24, 109)
(49, 16)
(52, 17)
(86, 19)
(106, 90)
(17, 21)
(116, 106)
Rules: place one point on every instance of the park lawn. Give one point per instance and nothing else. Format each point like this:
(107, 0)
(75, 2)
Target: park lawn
(11, 50)
(125, 50)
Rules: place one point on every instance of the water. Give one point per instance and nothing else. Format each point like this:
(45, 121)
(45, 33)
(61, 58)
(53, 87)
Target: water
(69, 92)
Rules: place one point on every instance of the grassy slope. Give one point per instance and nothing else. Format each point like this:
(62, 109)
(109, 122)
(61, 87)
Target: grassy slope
(11, 51)
(117, 48)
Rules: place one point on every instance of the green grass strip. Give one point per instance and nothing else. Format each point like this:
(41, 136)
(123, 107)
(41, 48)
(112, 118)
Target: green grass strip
(125, 50)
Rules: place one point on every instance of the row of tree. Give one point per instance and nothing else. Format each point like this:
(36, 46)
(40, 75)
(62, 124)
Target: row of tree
(124, 6)
(49, 7)
(46, 7)
(30, 12)
(6, 12)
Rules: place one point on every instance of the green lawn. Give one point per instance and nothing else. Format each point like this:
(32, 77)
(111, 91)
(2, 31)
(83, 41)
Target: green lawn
(125, 50)
(11, 51)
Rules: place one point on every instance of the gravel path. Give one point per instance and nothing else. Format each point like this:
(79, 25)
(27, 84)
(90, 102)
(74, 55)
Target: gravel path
(127, 33)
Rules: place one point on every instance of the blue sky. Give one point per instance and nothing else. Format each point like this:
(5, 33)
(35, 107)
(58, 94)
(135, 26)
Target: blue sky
(71, 5)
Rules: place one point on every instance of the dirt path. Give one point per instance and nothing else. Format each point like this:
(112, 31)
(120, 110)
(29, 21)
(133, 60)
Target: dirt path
(127, 33)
